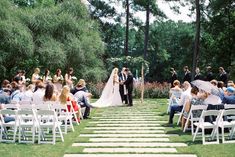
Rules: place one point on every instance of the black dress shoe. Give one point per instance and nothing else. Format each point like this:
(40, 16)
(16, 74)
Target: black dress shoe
(86, 118)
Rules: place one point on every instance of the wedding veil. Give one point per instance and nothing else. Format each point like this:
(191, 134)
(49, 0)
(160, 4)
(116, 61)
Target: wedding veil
(104, 99)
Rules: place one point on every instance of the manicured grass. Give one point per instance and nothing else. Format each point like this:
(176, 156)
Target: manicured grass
(42, 150)
(214, 150)
(58, 150)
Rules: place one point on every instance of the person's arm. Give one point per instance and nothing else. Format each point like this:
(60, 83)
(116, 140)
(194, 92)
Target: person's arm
(67, 80)
(33, 79)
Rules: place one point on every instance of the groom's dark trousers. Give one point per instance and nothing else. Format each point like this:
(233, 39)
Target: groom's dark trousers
(129, 86)
(122, 77)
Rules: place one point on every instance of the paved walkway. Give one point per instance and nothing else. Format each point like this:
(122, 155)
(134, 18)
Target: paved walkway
(128, 132)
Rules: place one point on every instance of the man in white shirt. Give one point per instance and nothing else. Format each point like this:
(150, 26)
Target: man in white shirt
(185, 96)
(82, 99)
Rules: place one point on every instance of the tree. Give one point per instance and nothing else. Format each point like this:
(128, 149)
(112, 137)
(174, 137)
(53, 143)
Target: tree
(197, 39)
(53, 36)
(127, 27)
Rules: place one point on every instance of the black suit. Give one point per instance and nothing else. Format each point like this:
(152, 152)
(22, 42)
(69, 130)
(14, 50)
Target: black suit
(122, 77)
(173, 78)
(209, 76)
(223, 77)
(187, 76)
(198, 77)
(129, 86)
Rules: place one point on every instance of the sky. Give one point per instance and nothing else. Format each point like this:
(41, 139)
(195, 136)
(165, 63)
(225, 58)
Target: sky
(165, 7)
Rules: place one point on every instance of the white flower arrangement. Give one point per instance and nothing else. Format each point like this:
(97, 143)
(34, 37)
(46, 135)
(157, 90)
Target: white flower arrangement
(74, 78)
(27, 80)
(49, 78)
(60, 78)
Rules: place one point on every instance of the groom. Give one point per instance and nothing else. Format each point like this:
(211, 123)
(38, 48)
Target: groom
(129, 86)
(122, 87)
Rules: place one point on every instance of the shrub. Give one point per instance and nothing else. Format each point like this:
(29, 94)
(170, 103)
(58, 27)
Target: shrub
(151, 90)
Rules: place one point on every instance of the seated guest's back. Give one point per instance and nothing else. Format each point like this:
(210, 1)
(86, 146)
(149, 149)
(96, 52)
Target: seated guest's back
(228, 97)
(39, 93)
(28, 94)
(5, 96)
(175, 92)
(49, 93)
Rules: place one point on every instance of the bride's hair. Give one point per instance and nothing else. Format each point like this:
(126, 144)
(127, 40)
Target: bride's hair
(115, 70)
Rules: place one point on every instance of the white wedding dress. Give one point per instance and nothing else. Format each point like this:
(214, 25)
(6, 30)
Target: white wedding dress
(110, 95)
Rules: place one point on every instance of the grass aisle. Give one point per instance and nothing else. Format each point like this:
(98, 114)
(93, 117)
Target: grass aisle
(58, 150)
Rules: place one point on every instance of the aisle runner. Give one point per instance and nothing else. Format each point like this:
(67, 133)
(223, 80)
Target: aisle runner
(128, 132)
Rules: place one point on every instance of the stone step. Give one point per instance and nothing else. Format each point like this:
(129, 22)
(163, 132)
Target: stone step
(125, 128)
(128, 131)
(124, 135)
(126, 122)
(109, 144)
(126, 114)
(129, 155)
(125, 119)
(119, 139)
(129, 150)
(137, 124)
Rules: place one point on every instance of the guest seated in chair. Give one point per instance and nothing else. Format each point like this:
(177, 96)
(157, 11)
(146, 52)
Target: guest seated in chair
(197, 99)
(228, 97)
(66, 96)
(82, 97)
(185, 96)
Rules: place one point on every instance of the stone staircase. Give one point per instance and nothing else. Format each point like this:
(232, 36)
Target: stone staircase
(128, 132)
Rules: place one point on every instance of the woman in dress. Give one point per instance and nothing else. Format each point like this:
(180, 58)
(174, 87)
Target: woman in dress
(67, 96)
(35, 77)
(68, 78)
(58, 80)
(47, 78)
(110, 95)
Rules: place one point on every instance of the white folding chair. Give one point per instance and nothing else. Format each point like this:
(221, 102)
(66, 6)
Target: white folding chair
(180, 114)
(191, 117)
(52, 123)
(42, 106)
(73, 112)
(229, 106)
(64, 116)
(27, 125)
(6, 128)
(14, 106)
(223, 123)
(23, 102)
(208, 125)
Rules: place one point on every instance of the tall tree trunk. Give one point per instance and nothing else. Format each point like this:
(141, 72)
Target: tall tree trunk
(127, 27)
(197, 39)
(146, 35)
(146, 39)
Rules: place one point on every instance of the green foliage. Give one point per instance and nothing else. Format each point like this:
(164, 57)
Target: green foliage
(50, 36)
(130, 62)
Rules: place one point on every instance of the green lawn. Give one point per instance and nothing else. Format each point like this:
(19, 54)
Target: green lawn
(58, 150)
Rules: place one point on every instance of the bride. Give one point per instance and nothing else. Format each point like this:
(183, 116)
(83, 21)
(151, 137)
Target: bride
(110, 95)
